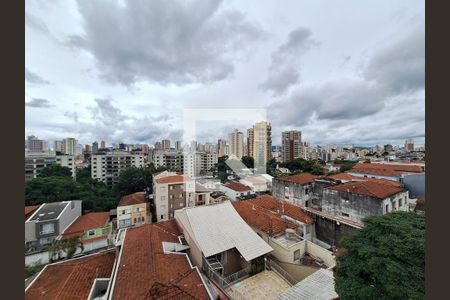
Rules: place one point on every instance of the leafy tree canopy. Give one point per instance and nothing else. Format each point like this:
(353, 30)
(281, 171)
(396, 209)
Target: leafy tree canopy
(384, 260)
(55, 170)
(133, 180)
(248, 161)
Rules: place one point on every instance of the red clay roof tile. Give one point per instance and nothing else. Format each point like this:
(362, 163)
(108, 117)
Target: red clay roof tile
(368, 188)
(302, 178)
(88, 221)
(236, 186)
(173, 179)
(136, 198)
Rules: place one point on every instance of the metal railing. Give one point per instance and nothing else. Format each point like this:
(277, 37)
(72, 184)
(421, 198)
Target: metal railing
(271, 265)
(241, 274)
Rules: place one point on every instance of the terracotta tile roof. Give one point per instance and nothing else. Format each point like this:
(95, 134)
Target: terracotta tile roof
(145, 272)
(393, 167)
(136, 198)
(302, 178)
(281, 207)
(239, 187)
(88, 221)
(173, 179)
(375, 171)
(255, 180)
(29, 210)
(261, 218)
(72, 279)
(368, 188)
(348, 177)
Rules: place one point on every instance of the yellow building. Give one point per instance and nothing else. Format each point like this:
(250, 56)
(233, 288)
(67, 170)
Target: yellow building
(132, 210)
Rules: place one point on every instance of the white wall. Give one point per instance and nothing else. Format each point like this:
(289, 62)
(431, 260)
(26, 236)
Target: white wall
(69, 214)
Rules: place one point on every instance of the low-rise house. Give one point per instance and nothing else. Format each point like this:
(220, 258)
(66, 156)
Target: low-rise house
(356, 200)
(94, 230)
(257, 184)
(73, 278)
(48, 222)
(237, 191)
(394, 172)
(132, 210)
(172, 192)
(219, 239)
(296, 189)
(149, 262)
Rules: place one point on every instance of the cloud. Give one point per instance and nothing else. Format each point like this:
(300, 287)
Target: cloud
(399, 67)
(35, 23)
(164, 41)
(284, 69)
(34, 78)
(38, 102)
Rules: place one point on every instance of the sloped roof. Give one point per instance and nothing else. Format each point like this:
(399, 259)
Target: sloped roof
(348, 177)
(262, 219)
(236, 186)
(29, 210)
(318, 286)
(374, 171)
(85, 222)
(72, 279)
(302, 178)
(136, 198)
(172, 179)
(403, 168)
(368, 188)
(217, 228)
(282, 207)
(146, 272)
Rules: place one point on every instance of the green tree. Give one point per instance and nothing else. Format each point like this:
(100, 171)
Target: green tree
(248, 161)
(384, 260)
(55, 170)
(134, 179)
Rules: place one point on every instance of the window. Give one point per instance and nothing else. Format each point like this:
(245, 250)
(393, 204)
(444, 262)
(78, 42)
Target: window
(400, 203)
(296, 255)
(387, 208)
(163, 198)
(123, 212)
(142, 219)
(394, 205)
(306, 191)
(46, 240)
(91, 232)
(345, 215)
(171, 187)
(47, 228)
(136, 209)
(135, 220)
(162, 217)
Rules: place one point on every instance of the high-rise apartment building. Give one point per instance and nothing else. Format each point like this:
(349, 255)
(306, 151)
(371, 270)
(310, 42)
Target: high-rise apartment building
(250, 139)
(95, 147)
(37, 160)
(260, 144)
(106, 167)
(102, 145)
(388, 148)
(198, 163)
(165, 145)
(33, 144)
(178, 146)
(236, 143)
(58, 146)
(173, 161)
(158, 146)
(69, 146)
(409, 145)
(221, 147)
(291, 144)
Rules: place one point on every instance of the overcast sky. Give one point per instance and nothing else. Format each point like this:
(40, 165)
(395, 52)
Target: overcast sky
(339, 71)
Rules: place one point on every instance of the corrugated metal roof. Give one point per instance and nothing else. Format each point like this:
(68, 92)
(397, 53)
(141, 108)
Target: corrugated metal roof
(317, 286)
(219, 227)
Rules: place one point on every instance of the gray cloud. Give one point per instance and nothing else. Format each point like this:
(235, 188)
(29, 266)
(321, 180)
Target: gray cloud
(284, 69)
(164, 41)
(35, 23)
(400, 66)
(34, 78)
(38, 102)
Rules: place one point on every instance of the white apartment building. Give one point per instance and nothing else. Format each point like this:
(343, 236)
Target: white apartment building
(36, 161)
(236, 143)
(106, 167)
(198, 163)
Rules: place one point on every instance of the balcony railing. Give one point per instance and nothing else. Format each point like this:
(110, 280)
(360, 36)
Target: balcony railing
(271, 265)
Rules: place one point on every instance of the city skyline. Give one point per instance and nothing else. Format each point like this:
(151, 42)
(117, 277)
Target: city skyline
(336, 82)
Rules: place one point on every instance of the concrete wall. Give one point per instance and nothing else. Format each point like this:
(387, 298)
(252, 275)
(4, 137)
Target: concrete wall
(317, 251)
(415, 183)
(69, 214)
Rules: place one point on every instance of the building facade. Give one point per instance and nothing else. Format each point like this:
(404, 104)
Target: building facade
(132, 210)
(236, 143)
(106, 167)
(291, 144)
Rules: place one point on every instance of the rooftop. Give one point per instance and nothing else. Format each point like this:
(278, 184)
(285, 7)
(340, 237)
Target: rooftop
(71, 279)
(379, 172)
(367, 188)
(136, 198)
(282, 207)
(264, 285)
(317, 286)
(261, 218)
(146, 272)
(403, 168)
(236, 186)
(302, 178)
(217, 228)
(85, 222)
(49, 211)
(348, 177)
(29, 210)
(172, 179)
